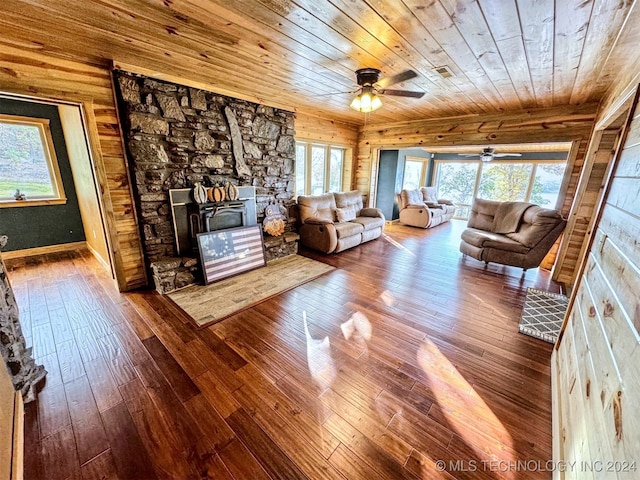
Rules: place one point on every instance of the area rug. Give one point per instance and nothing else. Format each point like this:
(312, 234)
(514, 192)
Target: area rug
(542, 314)
(207, 304)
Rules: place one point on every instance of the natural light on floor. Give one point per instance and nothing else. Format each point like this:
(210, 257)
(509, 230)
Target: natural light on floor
(461, 411)
(397, 244)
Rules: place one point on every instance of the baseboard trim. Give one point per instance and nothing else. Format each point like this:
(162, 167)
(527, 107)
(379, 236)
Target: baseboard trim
(98, 257)
(30, 252)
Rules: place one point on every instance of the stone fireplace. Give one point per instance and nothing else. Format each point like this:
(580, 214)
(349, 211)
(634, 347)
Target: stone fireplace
(177, 136)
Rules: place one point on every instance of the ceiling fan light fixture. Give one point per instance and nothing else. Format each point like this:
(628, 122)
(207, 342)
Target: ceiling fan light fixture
(486, 157)
(366, 101)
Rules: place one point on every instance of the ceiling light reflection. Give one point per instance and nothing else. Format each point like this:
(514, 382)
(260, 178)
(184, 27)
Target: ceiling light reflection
(388, 298)
(319, 359)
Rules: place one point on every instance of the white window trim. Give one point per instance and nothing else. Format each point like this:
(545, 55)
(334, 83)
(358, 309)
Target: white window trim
(46, 139)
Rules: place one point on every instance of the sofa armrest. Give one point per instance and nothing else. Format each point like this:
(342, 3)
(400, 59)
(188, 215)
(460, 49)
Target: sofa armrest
(319, 236)
(371, 212)
(317, 221)
(444, 201)
(416, 216)
(433, 205)
(414, 206)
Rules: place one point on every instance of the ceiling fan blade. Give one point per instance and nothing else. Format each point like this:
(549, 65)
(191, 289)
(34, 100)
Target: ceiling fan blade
(335, 93)
(468, 154)
(401, 77)
(401, 93)
(507, 154)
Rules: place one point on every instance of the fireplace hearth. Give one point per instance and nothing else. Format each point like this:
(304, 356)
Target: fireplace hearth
(191, 218)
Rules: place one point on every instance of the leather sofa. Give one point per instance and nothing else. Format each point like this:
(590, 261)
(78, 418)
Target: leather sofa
(333, 222)
(511, 233)
(421, 208)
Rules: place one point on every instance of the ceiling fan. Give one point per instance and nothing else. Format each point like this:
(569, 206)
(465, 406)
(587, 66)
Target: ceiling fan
(489, 153)
(371, 86)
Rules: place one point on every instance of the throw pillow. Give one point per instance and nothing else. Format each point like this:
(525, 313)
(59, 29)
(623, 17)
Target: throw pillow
(344, 215)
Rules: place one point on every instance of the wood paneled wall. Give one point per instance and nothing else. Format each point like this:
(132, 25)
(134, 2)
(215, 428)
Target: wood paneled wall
(597, 361)
(584, 202)
(27, 72)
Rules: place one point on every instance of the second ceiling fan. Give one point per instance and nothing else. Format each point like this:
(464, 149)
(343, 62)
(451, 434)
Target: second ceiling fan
(371, 86)
(489, 153)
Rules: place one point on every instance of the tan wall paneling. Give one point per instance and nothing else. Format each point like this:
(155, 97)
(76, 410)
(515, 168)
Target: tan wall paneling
(83, 179)
(601, 384)
(585, 199)
(27, 72)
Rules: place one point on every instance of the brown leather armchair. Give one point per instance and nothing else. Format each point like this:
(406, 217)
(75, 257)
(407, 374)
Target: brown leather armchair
(333, 222)
(421, 208)
(511, 233)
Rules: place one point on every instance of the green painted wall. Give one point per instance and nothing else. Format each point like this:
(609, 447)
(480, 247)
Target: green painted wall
(30, 227)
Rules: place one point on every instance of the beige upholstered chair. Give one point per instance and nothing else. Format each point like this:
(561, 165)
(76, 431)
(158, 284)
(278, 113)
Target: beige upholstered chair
(421, 208)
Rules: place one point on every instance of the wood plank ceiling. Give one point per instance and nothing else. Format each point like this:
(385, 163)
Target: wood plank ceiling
(504, 55)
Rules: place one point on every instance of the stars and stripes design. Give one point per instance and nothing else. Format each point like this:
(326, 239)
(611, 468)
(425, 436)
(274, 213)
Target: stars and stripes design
(228, 252)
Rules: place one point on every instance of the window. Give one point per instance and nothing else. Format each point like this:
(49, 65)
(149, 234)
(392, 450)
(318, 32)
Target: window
(456, 181)
(415, 172)
(28, 163)
(505, 182)
(318, 161)
(319, 168)
(528, 181)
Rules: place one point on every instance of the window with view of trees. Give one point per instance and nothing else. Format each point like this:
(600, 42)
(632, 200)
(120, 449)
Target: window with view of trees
(505, 182)
(28, 167)
(536, 182)
(319, 168)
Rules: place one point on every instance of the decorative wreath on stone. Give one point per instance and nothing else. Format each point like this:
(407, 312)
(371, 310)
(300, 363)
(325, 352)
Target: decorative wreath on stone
(274, 220)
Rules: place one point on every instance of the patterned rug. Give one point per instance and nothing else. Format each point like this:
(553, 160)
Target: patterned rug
(543, 314)
(207, 304)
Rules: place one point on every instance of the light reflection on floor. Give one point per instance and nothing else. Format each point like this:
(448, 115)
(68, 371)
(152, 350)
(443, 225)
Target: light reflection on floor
(446, 383)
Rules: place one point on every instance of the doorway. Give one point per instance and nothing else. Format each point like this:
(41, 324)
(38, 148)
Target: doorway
(64, 223)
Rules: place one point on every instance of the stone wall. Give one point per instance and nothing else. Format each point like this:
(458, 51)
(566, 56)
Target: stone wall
(25, 373)
(177, 135)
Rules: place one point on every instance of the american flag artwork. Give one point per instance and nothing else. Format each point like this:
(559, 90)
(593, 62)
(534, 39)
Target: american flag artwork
(224, 253)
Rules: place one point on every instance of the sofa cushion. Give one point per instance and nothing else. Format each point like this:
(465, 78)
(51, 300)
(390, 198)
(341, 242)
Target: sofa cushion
(506, 244)
(411, 197)
(350, 200)
(429, 194)
(482, 239)
(348, 229)
(316, 206)
(436, 212)
(344, 214)
(449, 209)
(482, 214)
(370, 223)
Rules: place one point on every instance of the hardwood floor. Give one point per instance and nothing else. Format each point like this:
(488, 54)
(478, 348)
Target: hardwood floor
(412, 356)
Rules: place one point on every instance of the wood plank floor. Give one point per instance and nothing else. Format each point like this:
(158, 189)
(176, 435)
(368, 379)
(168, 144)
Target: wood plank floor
(411, 356)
